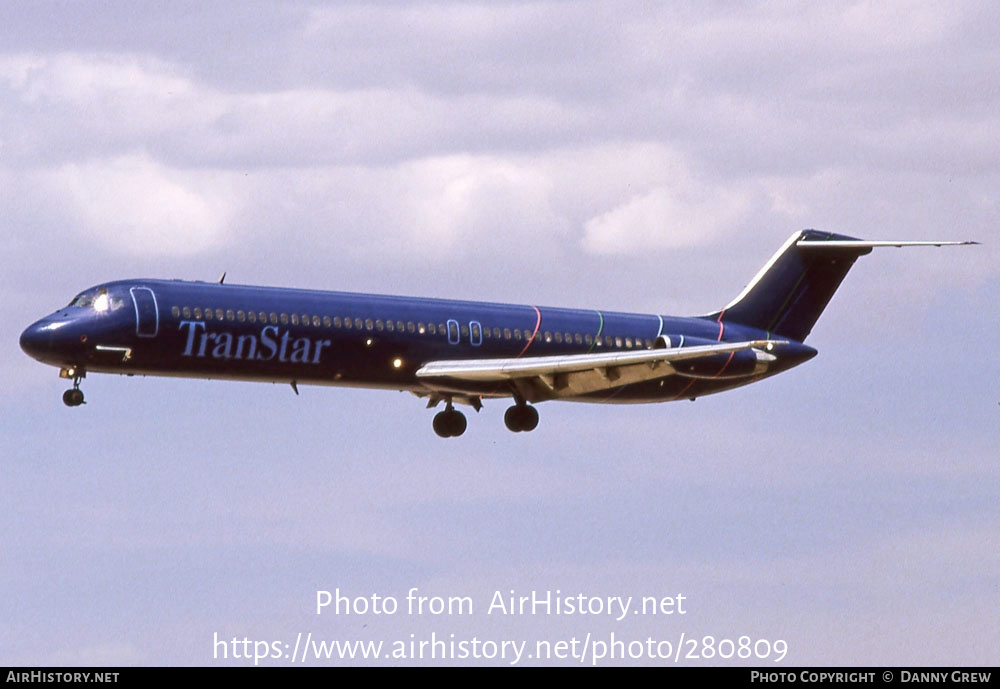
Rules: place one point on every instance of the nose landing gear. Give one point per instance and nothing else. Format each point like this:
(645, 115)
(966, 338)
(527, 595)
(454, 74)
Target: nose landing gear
(74, 396)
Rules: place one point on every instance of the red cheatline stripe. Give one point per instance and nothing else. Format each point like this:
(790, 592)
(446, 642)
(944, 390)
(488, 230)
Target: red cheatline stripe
(538, 324)
(722, 326)
(722, 370)
(686, 388)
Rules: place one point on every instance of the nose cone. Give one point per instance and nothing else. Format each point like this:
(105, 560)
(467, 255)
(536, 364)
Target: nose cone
(36, 340)
(52, 340)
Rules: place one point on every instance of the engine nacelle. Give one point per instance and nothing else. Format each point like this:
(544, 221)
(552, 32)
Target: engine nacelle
(742, 364)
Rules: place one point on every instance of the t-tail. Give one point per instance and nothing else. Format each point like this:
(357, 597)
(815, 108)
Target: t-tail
(790, 292)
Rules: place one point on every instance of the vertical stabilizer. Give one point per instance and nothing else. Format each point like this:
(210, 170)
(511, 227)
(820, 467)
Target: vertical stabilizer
(790, 292)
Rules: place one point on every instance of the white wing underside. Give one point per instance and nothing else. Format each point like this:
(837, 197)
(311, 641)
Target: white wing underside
(571, 375)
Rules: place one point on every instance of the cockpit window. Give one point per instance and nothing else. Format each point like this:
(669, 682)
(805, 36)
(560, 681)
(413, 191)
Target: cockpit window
(84, 299)
(99, 300)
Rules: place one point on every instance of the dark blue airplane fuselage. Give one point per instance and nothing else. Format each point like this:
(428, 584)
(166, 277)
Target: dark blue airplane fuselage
(211, 330)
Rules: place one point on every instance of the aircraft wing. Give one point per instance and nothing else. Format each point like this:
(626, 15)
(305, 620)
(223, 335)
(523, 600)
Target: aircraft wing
(570, 375)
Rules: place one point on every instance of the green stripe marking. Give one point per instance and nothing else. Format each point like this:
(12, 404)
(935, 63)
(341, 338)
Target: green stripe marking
(599, 331)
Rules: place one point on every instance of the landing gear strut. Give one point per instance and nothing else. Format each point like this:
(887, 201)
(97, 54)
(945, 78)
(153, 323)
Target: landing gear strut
(449, 423)
(73, 397)
(521, 417)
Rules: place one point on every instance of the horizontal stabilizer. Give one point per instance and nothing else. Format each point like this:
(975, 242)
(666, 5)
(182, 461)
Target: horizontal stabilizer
(861, 244)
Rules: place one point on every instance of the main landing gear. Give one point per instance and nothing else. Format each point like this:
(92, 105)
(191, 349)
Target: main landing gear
(521, 417)
(74, 396)
(449, 423)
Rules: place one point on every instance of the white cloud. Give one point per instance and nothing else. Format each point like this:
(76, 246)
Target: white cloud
(69, 106)
(135, 205)
(664, 218)
(89, 79)
(459, 200)
(556, 202)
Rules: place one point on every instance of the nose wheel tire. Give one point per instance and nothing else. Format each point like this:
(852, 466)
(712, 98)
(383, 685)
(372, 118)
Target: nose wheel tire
(521, 418)
(73, 398)
(449, 423)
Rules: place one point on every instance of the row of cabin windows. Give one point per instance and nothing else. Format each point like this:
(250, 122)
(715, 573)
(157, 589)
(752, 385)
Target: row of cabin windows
(349, 323)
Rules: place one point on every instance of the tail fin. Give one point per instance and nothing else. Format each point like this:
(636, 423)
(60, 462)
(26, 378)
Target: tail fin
(790, 292)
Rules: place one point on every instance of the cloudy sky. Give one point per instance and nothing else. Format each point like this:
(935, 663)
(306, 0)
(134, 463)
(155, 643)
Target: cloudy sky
(622, 155)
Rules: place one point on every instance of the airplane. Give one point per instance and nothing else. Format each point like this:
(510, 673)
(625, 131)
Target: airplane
(455, 352)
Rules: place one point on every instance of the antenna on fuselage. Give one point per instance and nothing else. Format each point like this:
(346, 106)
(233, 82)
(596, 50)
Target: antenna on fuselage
(222, 277)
